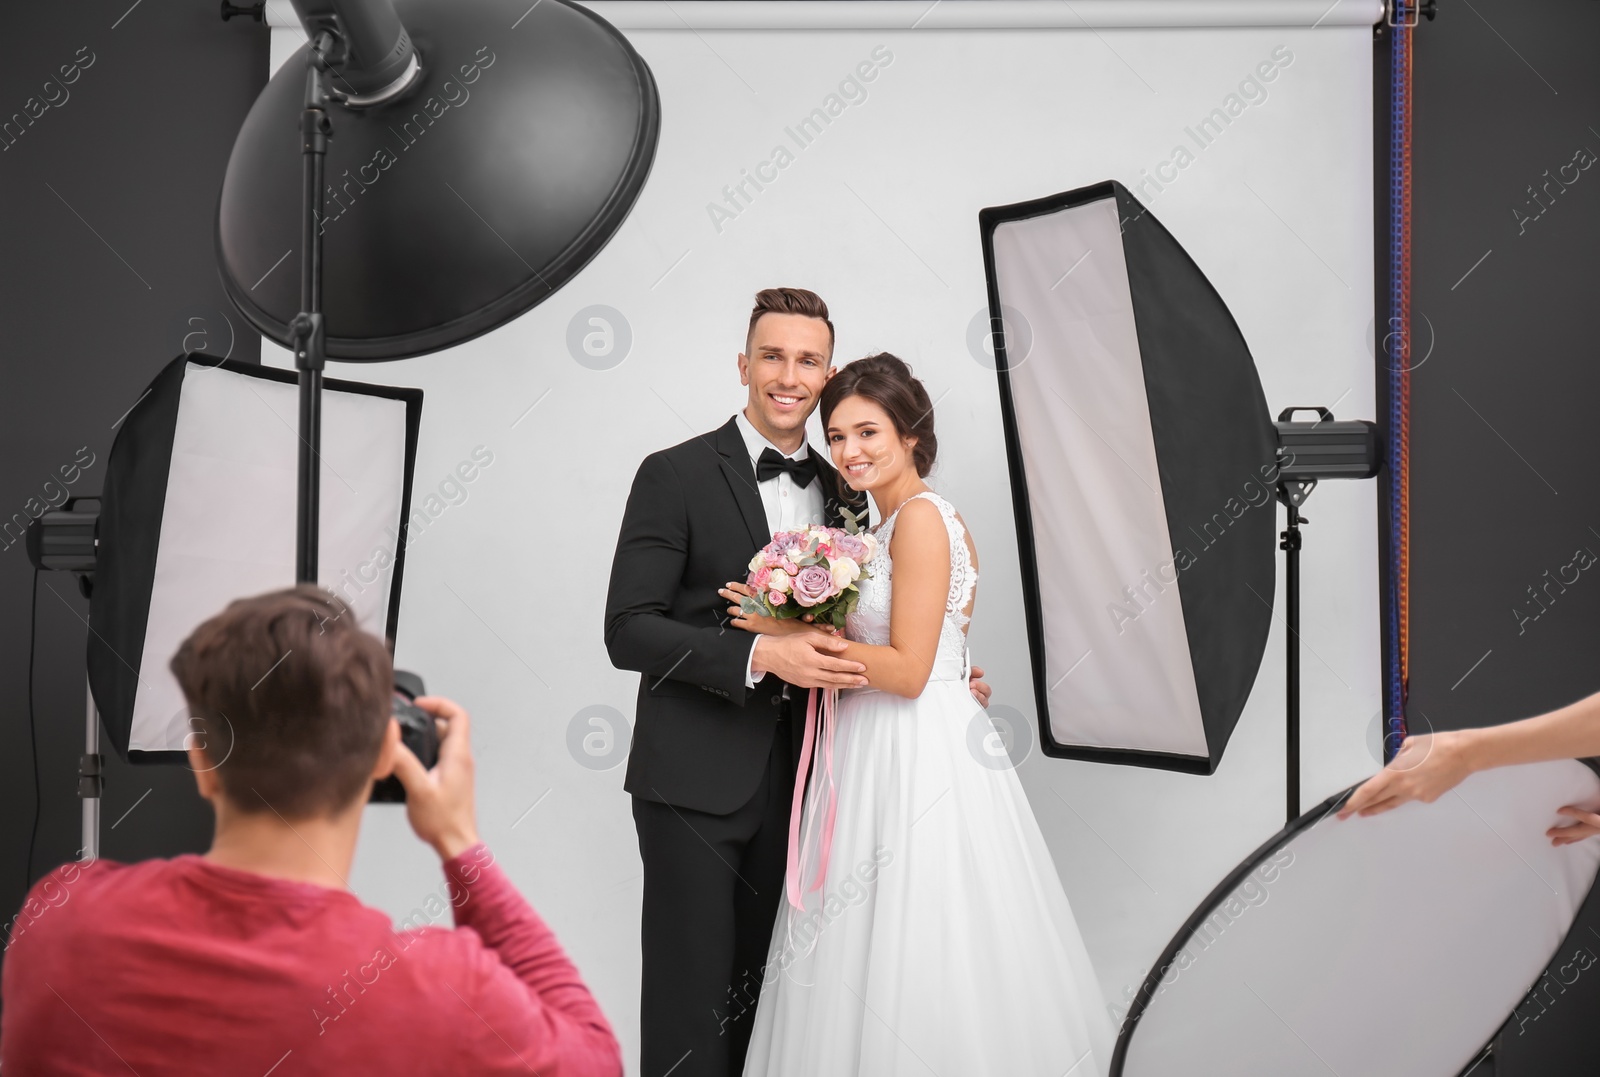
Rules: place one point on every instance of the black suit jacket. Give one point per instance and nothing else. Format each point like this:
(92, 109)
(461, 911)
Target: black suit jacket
(694, 519)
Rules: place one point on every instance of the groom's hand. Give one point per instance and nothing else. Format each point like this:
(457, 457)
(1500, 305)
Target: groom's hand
(979, 687)
(809, 660)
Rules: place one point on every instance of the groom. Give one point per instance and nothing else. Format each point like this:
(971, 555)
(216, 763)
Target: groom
(720, 711)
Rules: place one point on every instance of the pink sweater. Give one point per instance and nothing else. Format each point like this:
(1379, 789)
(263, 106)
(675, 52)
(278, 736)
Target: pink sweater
(185, 967)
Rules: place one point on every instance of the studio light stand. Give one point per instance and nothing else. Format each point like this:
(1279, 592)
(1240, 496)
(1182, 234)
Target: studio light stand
(1308, 452)
(385, 66)
(63, 540)
(307, 335)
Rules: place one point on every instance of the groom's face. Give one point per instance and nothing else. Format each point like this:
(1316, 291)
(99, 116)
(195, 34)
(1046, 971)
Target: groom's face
(785, 368)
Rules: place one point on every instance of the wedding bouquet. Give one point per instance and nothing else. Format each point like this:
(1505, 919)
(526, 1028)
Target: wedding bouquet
(812, 570)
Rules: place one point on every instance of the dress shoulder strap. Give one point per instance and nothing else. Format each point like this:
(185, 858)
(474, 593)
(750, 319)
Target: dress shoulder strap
(946, 510)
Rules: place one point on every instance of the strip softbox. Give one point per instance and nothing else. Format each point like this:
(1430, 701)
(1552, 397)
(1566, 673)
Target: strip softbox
(198, 509)
(1143, 466)
(1312, 957)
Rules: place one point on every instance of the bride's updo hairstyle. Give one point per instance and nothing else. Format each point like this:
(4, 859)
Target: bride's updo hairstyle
(886, 380)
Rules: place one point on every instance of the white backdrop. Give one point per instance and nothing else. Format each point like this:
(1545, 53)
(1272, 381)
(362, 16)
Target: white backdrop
(504, 589)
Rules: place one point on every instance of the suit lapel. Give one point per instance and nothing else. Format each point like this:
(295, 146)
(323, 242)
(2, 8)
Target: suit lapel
(741, 477)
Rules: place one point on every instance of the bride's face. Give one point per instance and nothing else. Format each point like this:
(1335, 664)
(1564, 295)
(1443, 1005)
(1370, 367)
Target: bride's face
(864, 445)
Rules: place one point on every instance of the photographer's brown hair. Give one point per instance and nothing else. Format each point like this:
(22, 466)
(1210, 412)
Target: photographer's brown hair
(291, 698)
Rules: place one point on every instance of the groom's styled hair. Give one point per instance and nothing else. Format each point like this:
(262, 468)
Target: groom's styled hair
(789, 301)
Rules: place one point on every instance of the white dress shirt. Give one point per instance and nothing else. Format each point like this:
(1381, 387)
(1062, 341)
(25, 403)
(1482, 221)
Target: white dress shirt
(789, 506)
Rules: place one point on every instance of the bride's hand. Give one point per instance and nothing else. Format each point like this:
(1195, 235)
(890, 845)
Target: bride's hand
(757, 622)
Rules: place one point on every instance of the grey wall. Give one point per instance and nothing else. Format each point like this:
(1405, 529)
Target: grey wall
(107, 200)
(1505, 471)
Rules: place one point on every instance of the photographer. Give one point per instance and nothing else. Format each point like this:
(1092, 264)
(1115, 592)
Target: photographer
(257, 953)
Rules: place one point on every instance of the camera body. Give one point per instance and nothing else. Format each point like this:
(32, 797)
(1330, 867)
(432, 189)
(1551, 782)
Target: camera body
(417, 732)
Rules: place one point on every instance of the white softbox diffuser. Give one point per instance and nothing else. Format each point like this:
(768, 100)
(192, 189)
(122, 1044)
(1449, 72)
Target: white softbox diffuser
(199, 509)
(1143, 465)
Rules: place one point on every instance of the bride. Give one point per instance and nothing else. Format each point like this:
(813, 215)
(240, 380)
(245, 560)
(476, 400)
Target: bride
(940, 940)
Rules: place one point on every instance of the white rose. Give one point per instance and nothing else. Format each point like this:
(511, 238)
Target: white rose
(844, 571)
(756, 562)
(778, 581)
(872, 543)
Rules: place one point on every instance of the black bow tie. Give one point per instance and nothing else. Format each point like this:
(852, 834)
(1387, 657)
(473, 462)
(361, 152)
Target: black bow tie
(771, 463)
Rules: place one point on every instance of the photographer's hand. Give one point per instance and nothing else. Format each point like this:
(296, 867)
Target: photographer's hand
(439, 802)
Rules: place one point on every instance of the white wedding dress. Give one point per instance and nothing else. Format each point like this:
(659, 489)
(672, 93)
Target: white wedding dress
(941, 941)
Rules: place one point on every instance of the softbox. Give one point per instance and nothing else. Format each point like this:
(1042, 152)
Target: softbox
(1143, 467)
(196, 510)
(1393, 946)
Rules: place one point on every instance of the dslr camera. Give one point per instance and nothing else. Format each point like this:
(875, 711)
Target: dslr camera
(417, 732)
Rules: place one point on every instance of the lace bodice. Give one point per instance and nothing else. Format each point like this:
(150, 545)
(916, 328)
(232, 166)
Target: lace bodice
(870, 622)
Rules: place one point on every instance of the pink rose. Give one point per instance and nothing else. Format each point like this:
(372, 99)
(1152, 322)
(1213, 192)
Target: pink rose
(758, 581)
(777, 598)
(852, 547)
(814, 584)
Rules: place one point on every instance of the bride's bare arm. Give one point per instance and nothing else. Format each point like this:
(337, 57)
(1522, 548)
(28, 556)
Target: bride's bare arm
(920, 550)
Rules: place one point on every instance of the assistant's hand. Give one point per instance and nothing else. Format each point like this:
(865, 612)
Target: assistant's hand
(763, 624)
(1426, 767)
(440, 804)
(980, 689)
(1586, 826)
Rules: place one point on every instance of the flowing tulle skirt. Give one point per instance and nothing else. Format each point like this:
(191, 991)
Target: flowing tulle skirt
(942, 941)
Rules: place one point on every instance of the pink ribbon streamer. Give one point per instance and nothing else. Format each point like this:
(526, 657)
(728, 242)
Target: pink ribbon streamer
(825, 715)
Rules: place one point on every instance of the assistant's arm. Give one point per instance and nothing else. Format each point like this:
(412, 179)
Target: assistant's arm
(1430, 764)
